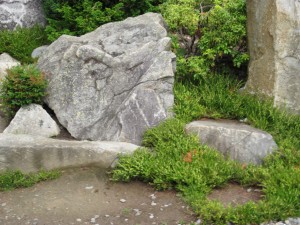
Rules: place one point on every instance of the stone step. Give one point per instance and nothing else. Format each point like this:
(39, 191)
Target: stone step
(33, 153)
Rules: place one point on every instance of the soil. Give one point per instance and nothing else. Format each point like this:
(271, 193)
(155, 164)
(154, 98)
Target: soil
(234, 194)
(87, 196)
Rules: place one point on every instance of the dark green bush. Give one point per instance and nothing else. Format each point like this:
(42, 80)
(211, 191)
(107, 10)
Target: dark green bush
(213, 32)
(80, 17)
(23, 85)
(21, 42)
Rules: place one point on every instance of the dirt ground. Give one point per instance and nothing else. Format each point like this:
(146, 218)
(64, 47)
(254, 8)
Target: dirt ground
(86, 196)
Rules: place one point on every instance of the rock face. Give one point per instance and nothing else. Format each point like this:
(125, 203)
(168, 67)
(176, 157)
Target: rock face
(23, 13)
(239, 141)
(6, 62)
(113, 83)
(33, 120)
(274, 37)
(32, 153)
(36, 53)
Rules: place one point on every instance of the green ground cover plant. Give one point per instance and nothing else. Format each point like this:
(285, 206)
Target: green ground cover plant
(21, 86)
(209, 38)
(16, 179)
(178, 161)
(21, 42)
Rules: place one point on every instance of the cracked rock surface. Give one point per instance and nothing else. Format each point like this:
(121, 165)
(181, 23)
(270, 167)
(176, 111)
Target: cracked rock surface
(23, 13)
(113, 83)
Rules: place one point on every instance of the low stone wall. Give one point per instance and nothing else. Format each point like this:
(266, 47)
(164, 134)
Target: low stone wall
(33, 153)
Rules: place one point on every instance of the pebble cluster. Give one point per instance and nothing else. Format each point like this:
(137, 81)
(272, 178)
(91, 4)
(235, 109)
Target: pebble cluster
(289, 221)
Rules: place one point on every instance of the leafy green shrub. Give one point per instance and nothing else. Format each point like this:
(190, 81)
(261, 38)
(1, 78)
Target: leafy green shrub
(224, 36)
(23, 85)
(136, 7)
(21, 42)
(80, 17)
(212, 31)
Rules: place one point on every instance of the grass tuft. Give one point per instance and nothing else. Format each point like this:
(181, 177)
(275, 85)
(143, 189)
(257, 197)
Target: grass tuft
(21, 42)
(16, 179)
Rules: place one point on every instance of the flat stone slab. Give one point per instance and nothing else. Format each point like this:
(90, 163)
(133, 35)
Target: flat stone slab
(32, 153)
(239, 141)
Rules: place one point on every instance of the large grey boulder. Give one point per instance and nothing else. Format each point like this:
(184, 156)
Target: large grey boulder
(238, 141)
(32, 153)
(6, 62)
(113, 83)
(33, 120)
(273, 38)
(22, 13)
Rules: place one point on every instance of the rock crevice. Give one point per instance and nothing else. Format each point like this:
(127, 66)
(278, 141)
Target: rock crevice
(114, 90)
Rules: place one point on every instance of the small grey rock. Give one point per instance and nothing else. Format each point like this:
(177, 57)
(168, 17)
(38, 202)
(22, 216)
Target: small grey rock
(36, 53)
(6, 62)
(33, 120)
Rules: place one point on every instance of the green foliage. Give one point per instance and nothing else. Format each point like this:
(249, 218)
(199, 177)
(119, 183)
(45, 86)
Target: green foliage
(21, 42)
(16, 179)
(80, 17)
(182, 15)
(23, 85)
(213, 32)
(178, 161)
(219, 97)
(138, 7)
(225, 33)
(77, 17)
